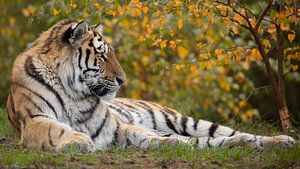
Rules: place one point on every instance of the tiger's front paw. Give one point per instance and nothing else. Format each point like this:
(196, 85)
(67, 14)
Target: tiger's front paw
(78, 142)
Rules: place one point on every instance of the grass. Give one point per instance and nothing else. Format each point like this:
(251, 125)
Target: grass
(14, 156)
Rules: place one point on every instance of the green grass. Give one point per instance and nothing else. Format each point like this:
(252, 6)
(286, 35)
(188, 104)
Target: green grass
(12, 155)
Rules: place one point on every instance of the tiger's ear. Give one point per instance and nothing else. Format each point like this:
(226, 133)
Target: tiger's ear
(77, 32)
(98, 28)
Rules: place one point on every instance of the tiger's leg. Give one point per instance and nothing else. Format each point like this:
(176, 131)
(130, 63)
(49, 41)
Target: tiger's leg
(133, 135)
(242, 139)
(47, 134)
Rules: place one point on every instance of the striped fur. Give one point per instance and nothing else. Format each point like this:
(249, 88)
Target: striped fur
(62, 95)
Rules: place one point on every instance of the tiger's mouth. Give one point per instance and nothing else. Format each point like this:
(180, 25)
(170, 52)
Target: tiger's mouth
(103, 90)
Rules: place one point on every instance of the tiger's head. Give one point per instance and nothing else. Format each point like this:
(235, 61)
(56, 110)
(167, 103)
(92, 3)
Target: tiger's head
(95, 69)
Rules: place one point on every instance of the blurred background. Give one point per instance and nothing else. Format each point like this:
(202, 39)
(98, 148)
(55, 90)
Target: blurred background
(172, 53)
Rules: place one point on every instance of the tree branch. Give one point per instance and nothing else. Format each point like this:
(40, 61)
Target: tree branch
(262, 15)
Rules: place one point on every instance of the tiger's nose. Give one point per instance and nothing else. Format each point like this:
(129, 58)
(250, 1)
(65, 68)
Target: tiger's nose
(120, 80)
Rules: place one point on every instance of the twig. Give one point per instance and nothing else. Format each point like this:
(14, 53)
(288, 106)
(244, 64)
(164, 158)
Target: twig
(262, 15)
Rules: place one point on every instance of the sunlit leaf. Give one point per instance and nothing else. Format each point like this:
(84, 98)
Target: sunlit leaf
(182, 52)
(295, 67)
(73, 6)
(145, 9)
(180, 23)
(291, 36)
(55, 11)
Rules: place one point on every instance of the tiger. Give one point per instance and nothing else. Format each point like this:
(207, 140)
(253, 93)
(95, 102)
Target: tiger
(63, 94)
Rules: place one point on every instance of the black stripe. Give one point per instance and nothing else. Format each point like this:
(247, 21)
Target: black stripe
(95, 62)
(128, 116)
(41, 97)
(149, 110)
(207, 142)
(43, 146)
(183, 124)
(12, 102)
(135, 110)
(220, 144)
(62, 131)
(195, 124)
(88, 113)
(212, 129)
(170, 124)
(73, 74)
(88, 52)
(232, 134)
(197, 140)
(127, 105)
(90, 69)
(101, 126)
(79, 58)
(141, 142)
(14, 113)
(30, 70)
(116, 134)
(166, 135)
(24, 123)
(172, 112)
(32, 102)
(49, 137)
(34, 115)
(53, 34)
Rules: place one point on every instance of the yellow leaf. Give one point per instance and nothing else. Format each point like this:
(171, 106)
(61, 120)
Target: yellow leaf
(295, 67)
(112, 12)
(145, 21)
(180, 23)
(266, 43)
(284, 26)
(55, 11)
(235, 29)
(98, 6)
(255, 54)
(163, 44)
(271, 29)
(172, 44)
(171, 33)
(252, 22)
(145, 9)
(249, 113)
(177, 67)
(238, 18)
(28, 11)
(191, 7)
(136, 12)
(74, 6)
(182, 52)
(238, 58)
(219, 51)
(242, 103)
(135, 1)
(291, 36)
(193, 68)
(290, 57)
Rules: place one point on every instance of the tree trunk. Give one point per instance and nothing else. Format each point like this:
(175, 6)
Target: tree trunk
(284, 112)
(279, 89)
